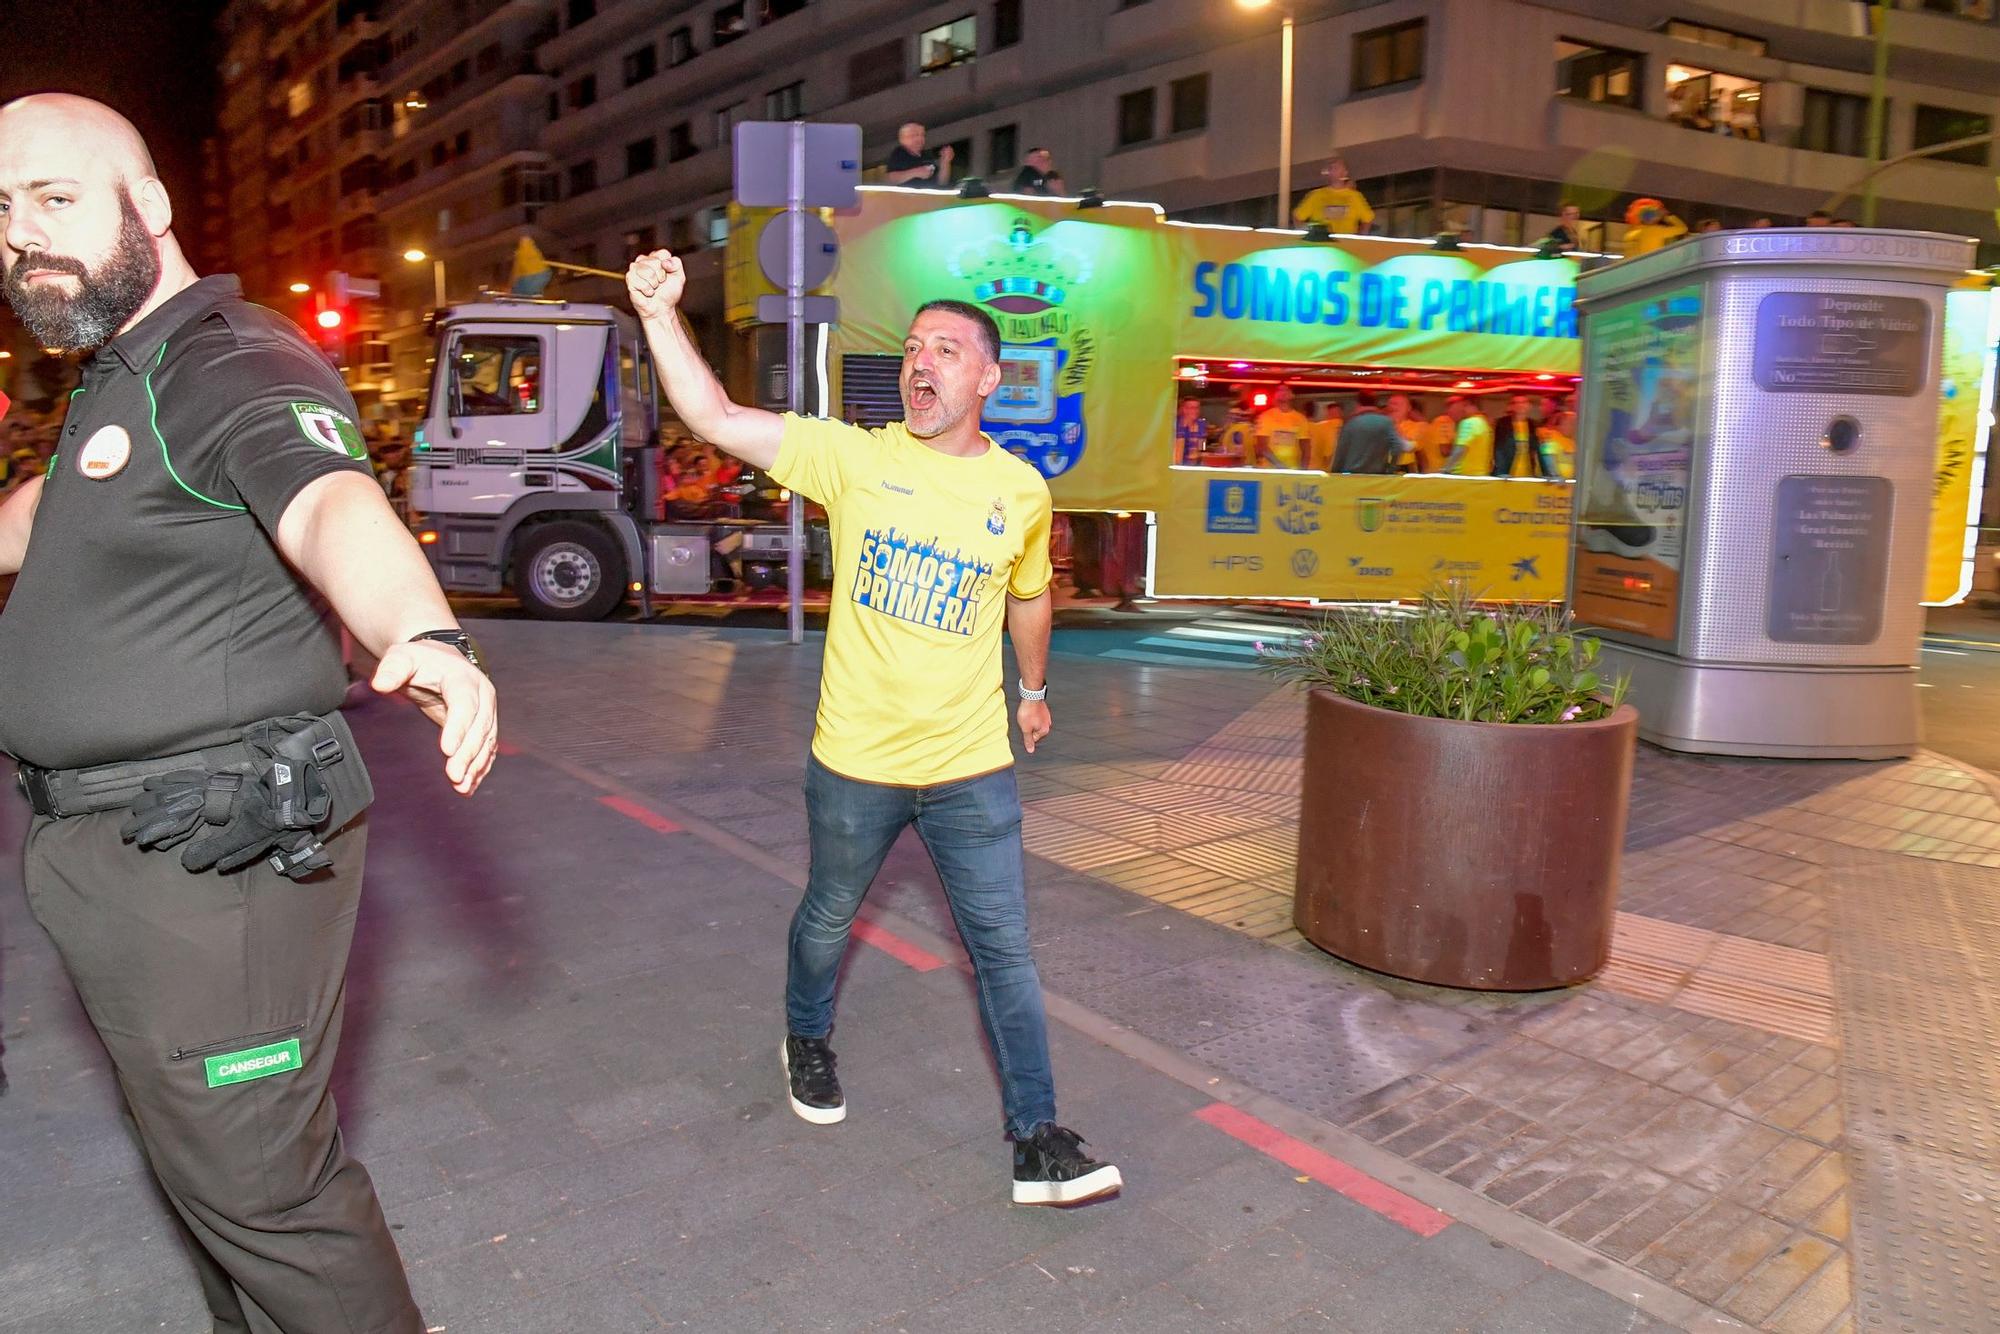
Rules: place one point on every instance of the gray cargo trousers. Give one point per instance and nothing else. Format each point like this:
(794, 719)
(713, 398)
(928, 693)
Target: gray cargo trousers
(219, 998)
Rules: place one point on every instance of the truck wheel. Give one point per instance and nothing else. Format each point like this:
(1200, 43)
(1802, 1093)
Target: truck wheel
(569, 572)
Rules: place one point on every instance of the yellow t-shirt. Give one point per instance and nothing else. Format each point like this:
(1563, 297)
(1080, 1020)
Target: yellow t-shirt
(1527, 453)
(1413, 433)
(1475, 437)
(1564, 450)
(1644, 238)
(926, 549)
(1342, 210)
(1325, 437)
(1437, 442)
(1284, 432)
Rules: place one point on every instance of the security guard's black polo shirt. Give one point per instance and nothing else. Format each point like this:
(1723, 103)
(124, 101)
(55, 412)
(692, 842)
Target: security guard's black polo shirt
(153, 613)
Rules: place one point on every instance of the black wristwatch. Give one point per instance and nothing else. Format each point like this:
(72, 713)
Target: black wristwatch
(459, 640)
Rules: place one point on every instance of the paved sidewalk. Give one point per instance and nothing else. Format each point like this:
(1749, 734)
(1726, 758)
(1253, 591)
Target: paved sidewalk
(562, 1061)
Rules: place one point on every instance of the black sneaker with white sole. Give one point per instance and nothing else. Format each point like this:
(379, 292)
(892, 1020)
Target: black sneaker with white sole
(815, 1089)
(1050, 1167)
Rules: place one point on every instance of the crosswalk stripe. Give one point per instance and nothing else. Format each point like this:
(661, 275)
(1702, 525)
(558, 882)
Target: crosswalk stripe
(1182, 660)
(1239, 636)
(1198, 646)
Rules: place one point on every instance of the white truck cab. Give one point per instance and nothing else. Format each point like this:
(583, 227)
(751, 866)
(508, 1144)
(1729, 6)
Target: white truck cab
(536, 467)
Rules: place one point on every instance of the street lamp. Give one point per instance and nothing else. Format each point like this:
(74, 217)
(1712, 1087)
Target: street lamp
(416, 256)
(1284, 106)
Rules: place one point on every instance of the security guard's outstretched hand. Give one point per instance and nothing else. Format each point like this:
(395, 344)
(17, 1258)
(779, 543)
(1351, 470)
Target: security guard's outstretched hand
(455, 695)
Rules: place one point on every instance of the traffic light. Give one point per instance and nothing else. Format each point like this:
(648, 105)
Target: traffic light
(331, 322)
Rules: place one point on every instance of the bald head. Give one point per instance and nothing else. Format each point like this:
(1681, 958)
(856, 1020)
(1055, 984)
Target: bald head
(89, 133)
(87, 243)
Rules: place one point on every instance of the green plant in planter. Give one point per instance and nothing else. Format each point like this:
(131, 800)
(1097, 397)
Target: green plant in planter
(1453, 657)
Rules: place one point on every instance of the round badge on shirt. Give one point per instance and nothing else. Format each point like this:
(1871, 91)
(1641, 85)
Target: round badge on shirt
(105, 454)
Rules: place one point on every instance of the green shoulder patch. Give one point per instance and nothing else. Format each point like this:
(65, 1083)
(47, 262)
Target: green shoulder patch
(330, 428)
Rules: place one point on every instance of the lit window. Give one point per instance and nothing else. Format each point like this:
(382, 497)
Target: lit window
(948, 44)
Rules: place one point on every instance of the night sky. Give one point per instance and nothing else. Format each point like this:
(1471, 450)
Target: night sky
(153, 62)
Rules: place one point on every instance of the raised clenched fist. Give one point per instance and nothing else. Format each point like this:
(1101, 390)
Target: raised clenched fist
(655, 282)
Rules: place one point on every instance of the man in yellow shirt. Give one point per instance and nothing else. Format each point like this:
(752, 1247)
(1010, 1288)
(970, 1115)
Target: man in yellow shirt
(1412, 430)
(1324, 435)
(1282, 432)
(1438, 438)
(938, 534)
(1337, 205)
(1649, 227)
(1472, 443)
(1517, 445)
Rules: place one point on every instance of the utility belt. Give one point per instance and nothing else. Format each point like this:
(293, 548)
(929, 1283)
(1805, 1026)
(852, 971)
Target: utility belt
(270, 794)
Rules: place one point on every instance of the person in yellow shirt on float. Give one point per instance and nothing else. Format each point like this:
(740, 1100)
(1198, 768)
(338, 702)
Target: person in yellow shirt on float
(1325, 435)
(1648, 227)
(1413, 432)
(1439, 434)
(1472, 442)
(1283, 433)
(1558, 437)
(940, 537)
(1337, 205)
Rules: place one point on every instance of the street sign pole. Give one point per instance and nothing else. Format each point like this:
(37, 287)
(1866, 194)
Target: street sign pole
(796, 165)
(795, 377)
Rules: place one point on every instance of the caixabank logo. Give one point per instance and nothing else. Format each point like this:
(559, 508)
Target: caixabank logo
(1025, 279)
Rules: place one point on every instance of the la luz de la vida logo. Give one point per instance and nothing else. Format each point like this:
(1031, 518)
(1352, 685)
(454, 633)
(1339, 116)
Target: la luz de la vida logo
(1025, 279)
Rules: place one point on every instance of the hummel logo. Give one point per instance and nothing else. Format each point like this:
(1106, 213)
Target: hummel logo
(899, 490)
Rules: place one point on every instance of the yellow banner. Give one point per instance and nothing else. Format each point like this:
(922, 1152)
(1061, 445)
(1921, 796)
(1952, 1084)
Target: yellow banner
(1094, 305)
(1236, 533)
(1971, 323)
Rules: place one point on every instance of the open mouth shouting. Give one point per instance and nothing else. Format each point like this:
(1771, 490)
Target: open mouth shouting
(923, 394)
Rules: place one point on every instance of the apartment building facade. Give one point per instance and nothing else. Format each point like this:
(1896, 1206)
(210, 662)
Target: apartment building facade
(603, 127)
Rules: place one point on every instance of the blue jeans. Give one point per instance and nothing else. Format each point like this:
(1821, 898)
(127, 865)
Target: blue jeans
(973, 831)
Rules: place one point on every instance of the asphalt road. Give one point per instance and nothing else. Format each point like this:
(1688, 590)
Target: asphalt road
(1960, 685)
(1960, 678)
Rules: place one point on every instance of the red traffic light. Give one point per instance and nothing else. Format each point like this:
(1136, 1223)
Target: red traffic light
(329, 319)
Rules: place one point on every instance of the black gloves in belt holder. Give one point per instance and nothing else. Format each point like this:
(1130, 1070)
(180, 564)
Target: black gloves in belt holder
(269, 807)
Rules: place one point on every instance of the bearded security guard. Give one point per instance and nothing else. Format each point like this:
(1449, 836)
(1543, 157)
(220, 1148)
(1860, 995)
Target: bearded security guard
(172, 695)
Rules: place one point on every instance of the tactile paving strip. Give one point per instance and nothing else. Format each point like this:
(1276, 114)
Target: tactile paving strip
(1917, 970)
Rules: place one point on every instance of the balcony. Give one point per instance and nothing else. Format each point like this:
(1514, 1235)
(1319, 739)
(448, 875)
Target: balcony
(1140, 172)
(1167, 23)
(512, 217)
(1694, 160)
(720, 74)
(1379, 118)
(412, 209)
(643, 196)
(613, 23)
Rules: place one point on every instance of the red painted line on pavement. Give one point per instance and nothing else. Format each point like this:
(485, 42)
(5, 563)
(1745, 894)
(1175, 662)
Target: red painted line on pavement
(1324, 1168)
(632, 810)
(895, 946)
